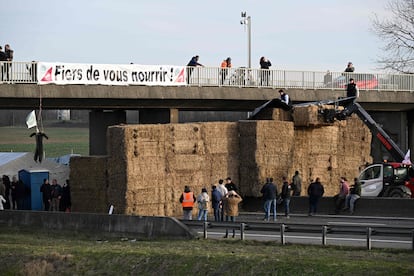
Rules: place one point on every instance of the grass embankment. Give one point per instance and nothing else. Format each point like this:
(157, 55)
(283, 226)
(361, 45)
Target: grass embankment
(41, 253)
(62, 140)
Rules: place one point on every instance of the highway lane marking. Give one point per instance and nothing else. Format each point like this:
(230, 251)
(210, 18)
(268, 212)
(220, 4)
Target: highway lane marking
(339, 223)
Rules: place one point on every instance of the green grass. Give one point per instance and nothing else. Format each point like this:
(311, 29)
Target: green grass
(52, 253)
(61, 140)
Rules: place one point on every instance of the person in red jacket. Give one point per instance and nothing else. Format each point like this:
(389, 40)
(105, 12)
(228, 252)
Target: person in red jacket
(187, 200)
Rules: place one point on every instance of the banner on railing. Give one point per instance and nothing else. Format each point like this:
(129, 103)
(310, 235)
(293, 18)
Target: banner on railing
(110, 74)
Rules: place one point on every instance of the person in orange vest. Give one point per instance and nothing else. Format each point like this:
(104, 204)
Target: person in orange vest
(224, 69)
(187, 200)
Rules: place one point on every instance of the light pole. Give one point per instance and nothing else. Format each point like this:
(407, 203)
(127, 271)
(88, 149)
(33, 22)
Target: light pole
(246, 20)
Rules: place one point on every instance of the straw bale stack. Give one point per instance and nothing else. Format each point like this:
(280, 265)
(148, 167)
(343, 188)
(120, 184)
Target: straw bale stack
(159, 160)
(148, 166)
(266, 148)
(88, 183)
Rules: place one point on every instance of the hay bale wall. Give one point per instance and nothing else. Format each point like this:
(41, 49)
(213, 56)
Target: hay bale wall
(88, 178)
(149, 165)
(159, 160)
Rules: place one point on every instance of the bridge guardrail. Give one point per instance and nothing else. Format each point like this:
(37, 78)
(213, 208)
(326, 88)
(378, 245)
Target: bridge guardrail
(25, 72)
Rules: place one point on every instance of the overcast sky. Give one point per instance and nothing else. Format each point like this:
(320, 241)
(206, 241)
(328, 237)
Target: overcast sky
(298, 35)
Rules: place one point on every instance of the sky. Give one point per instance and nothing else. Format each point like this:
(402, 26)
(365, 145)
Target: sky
(302, 35)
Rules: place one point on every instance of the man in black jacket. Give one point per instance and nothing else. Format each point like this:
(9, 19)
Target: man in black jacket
(269, 191)
(315, 192)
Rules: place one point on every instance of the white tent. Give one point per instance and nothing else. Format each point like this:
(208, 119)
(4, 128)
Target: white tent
(12, 162)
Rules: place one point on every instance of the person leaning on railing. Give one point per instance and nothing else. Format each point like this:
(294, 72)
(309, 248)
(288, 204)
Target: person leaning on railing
(190, 66)
(9, 55)
(3, 58)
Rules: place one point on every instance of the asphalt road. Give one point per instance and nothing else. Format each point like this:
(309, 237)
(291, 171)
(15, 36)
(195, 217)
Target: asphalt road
(385, 232)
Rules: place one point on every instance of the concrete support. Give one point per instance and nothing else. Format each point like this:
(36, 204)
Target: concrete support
(98, 123)
(158, 116)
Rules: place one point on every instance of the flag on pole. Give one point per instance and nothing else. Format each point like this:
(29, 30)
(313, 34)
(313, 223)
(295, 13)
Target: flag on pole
(407, 160)
(31, 120)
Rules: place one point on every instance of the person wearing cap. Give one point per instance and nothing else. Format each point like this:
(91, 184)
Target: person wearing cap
(350, 68)
(203, 200)
(225, 65)
(187, 200)
(352, 90)
(284, 97)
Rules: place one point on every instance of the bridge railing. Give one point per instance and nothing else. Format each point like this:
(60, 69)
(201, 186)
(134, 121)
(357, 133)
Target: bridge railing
(25, 72)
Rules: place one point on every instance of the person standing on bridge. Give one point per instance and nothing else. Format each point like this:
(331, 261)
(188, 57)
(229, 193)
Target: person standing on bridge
(190, 66)
(9, 56)
(265, 73)
(3, 58)
(225, 65)
(350, 68)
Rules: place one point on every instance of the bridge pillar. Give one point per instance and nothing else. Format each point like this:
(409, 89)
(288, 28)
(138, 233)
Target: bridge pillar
(98, 123)
(158, 116)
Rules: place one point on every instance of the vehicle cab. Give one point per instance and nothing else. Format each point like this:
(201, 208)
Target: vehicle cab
(387, 180)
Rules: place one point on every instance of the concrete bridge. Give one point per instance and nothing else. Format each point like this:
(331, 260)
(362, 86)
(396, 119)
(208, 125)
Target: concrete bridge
(205, 91)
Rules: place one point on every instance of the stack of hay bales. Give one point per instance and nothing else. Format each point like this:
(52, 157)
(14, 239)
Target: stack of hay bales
(157, 161)
(88, 184)
(266, 151)
(149, 165)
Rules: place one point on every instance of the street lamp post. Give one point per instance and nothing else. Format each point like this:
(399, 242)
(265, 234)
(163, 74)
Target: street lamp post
(246, 20)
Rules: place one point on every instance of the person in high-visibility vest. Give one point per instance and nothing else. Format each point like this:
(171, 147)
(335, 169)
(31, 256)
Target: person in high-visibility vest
(187, 200)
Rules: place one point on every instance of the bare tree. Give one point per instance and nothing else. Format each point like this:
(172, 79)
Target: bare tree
(398, 34)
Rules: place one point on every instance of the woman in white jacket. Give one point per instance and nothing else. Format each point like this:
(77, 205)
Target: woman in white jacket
(203, 202)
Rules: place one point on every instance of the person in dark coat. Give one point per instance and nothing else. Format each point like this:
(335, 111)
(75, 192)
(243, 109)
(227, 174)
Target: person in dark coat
(46, 191)
(269, 191)
(286, 194)
(38, 156)
(230, 186)
(65, 201)
(265, 73)
(315, 192)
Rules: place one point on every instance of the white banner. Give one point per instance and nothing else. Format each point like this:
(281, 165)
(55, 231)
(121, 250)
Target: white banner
(110, 74)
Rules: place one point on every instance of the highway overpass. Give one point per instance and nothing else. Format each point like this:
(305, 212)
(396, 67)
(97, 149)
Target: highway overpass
(242, 90)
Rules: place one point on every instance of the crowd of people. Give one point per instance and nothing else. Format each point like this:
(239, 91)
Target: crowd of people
(14, 194)
(224, 198)
(226, 64)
